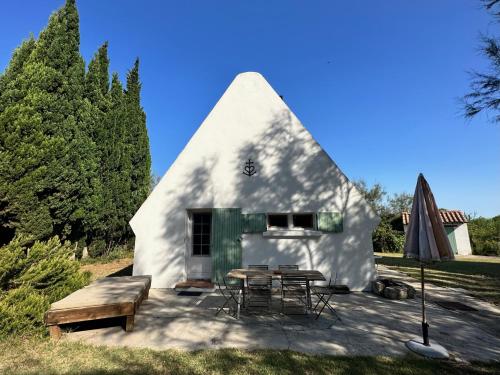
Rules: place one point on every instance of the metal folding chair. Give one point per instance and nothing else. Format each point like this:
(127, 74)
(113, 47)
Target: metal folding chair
(293, 290)
(324, 294)
(232, 295)
(264, 267)
(288, 267)
(258, 292)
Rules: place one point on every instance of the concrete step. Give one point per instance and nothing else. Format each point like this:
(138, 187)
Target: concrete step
(205, 286)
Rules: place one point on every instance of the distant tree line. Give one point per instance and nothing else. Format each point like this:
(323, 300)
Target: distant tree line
(74, 149)
(485, 235)
(389, 236)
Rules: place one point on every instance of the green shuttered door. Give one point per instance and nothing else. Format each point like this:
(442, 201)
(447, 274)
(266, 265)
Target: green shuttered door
(330, 222)
(450, 231)
(226, 241)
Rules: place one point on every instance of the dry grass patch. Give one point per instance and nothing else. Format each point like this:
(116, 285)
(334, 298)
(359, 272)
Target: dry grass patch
(99, 270)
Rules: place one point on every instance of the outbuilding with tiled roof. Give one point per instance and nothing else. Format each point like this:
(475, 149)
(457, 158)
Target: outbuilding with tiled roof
(455, 224)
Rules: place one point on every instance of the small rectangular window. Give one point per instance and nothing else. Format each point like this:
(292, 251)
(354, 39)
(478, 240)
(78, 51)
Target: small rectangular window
(202, 226)
(277, 220)
(305, 221)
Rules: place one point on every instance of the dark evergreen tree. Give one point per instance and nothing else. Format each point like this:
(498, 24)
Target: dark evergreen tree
(119, 164)
(97, 108)
(49, 170)
(74, 154)
(11, 92)
(97, 79)
(140, 158)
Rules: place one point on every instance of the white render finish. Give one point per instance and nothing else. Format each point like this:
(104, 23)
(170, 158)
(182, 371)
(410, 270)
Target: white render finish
(462, 239)
(294, 174)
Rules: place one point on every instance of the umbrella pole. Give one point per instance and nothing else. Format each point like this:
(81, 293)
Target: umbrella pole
(425, 325)
(425, 348)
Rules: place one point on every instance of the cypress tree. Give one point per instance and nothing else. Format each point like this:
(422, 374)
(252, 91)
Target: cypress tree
(140, 158)
(74, 153)
(11, 92)
(97, 108)
(49, 170)
(97, 79)
(119, 163)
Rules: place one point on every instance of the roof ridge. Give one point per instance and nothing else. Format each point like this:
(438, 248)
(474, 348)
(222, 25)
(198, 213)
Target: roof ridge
(447, 216)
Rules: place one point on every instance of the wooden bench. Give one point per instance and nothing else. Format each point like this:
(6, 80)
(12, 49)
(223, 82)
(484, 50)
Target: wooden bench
(108, 297)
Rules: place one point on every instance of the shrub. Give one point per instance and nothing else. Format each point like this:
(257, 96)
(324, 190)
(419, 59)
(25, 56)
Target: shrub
(485, 235)
(114, 253)
(12, 260)
(386, 239)
(119, 252)
(22, 310)
(31, 279)
(97, 248)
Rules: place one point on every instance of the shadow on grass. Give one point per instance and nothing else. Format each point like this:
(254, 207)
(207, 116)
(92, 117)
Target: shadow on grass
(480, 279)
(463, 267)
(126, 271)
(64, 358)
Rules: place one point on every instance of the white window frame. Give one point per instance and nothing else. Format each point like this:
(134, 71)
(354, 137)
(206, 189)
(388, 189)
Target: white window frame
(191, 223)
(290, 231)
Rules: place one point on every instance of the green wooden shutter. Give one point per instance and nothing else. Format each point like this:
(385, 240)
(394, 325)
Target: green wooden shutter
(254, 223)
(330, 222)
(226, 241)
(450, 231)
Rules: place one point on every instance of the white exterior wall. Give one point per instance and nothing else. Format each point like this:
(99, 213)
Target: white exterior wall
(336, 254)
(293, 175)
(463, 241)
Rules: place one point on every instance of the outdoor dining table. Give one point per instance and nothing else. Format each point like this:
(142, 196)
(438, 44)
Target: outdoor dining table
(311, 275)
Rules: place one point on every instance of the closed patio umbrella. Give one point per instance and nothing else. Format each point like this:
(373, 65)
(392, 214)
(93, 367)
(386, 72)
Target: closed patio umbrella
(426, 241)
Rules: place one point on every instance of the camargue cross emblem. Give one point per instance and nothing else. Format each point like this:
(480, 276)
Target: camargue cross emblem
(249, 169)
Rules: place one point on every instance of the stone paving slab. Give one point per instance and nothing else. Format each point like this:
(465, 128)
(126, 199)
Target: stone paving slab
(484, 318)
(368, 325)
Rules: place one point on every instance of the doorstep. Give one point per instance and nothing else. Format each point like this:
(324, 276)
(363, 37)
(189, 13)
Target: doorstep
(195, 285)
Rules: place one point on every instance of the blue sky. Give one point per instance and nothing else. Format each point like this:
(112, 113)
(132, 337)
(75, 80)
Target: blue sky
(376, 83)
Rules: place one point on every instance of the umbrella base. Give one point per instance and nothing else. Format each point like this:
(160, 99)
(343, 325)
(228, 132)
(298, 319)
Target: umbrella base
(435, 351)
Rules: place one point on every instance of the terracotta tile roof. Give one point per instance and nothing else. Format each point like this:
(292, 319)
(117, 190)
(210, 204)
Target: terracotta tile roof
(448, 217)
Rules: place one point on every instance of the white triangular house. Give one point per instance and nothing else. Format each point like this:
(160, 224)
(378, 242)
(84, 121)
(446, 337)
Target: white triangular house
(252, 186)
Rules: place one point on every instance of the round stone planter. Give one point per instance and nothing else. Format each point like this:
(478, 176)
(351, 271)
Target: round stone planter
(391, 289)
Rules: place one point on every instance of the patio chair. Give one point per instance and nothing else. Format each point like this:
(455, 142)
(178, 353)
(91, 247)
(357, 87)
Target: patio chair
(294, 294)
(294, 267)
(258, 292)
(324, 294)
(264, 267)
(232, 296)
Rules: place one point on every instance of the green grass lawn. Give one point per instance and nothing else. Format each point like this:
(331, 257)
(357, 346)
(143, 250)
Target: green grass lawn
(41, 356)
(479, 276)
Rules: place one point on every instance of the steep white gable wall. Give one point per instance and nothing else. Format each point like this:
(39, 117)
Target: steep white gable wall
(294, 174)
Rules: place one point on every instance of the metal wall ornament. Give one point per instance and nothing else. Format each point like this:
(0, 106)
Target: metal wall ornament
(249, 169)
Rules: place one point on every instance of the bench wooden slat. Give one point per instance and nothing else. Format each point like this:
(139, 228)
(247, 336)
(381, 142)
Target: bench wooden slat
(105, 298)
(89, 313)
